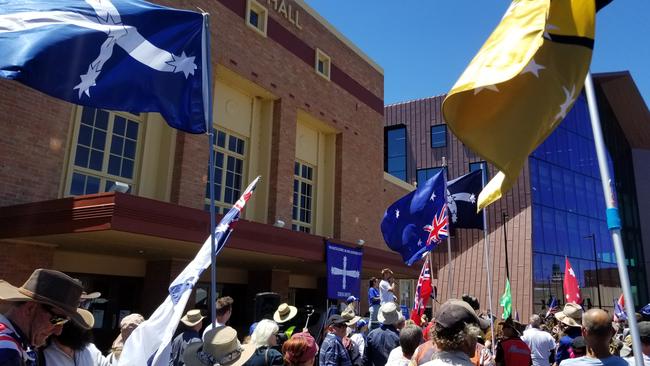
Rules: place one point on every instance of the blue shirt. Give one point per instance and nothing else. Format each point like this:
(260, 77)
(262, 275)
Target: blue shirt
(332, 352)
(565, 344)
(589, 361)
(373, 292)
(380, 342)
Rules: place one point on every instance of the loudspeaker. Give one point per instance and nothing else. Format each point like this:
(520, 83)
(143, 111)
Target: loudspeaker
(266, 303)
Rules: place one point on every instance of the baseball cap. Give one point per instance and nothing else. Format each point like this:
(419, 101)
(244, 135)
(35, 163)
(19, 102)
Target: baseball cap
(455, 313)
(335, 319)
(351, 299)
(579, 342)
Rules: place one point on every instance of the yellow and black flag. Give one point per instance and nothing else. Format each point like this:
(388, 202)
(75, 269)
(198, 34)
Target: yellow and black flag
(521, 84)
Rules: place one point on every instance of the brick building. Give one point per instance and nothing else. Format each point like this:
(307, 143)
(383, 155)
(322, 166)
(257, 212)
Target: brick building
(294, 102)
(555, 209)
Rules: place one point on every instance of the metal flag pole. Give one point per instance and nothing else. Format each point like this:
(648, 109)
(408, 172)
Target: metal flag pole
(613, 218)
(504, 218)
(487, 264)
(433, 299)
(207, 110)
(449, 267)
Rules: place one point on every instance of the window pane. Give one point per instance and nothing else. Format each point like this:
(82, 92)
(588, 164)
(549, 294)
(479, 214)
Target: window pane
(253, 16)
(96, 160)
(117, 144)
(119, 126)
(81, 156)
(221, 139)
(129, 149)
(132, 130)
(92, 185)
(85, 135)
(88, 116)
(114, 165)
(127, 168)
(439, 136)
(77, 184)
(101, 119)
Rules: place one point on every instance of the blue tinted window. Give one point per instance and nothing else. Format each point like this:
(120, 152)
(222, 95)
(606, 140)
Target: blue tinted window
(426, 174)
(395, 152)
(254, 18)
(439, 136)
(482, 166)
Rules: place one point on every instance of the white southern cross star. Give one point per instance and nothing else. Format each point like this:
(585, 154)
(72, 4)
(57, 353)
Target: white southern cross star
(472, 198)
(433, 196)
(573, 274)
(488, 87)
(397, 214)
(533, 68)
(549, 27)
(564, 107)
(183, 64)
(419, 242)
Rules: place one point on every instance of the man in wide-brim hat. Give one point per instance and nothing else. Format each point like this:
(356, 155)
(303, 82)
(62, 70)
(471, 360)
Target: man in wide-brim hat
(36, 310)
(220, 346)
(385, 338)
(193, 322)
(571, 319)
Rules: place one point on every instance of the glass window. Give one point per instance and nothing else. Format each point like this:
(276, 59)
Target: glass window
(575, 241)
(481, 165)
(439, 136)
(548, 221)
(538, 229)
(569, 190)
(426, 174)
(303, 197)
(557, 185)
(229, 158)
(545, 184)
(395, 151)
(105, 152)
(561, 232)
(256, 17)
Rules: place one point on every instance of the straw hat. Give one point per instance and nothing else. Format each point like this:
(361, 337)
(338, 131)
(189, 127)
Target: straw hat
(350, 318)
(571, 315)
(192, 318)
(52, 288)
(219, 346)
(285, 313)
(388, 314)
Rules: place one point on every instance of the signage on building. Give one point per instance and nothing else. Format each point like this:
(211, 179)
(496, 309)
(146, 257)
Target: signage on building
(288, 11)
(343, 271)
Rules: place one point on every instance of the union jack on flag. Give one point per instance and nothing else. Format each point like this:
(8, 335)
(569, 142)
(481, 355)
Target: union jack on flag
(422, 293)
(439, 228)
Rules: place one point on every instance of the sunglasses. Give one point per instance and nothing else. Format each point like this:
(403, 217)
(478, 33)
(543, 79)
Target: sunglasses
(55, 319)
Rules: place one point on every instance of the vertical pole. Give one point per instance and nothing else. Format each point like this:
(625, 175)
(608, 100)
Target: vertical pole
(207, 110)
(449, 266)
(504, 216)
(487, 265)
(613, 218)
(593, 242)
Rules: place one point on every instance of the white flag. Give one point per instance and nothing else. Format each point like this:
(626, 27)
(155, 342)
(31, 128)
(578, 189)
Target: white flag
(151, 341)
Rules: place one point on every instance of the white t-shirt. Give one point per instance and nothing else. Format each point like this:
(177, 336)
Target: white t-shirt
(385, 295)
(88, 356)
(646, 360)
(396, 358)
(589, 361)
(541, 344)
(357, 338)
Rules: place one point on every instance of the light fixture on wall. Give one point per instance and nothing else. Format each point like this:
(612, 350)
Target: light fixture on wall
(119, 187)
(361, 242)
(279, 223)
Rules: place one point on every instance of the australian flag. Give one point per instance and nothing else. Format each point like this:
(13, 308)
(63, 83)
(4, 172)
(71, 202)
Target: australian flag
(417, 222)
(461, 201)
(552, 307)
(126, 55)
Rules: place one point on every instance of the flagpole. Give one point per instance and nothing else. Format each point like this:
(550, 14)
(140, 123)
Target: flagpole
(207, 110)
(449, 269)
(487, 262)
(613, 218)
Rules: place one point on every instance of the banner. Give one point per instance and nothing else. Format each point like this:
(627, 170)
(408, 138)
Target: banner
(343, 271)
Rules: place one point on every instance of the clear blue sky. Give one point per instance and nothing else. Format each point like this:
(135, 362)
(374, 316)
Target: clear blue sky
(424, 45)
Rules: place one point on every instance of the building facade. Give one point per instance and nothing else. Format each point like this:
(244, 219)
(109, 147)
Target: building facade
(294, 102)
(555, 210)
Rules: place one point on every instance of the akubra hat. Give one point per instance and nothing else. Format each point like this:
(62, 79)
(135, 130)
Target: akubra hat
(349, 317)
(388, 314)
(52, 288)
(220, 346)
(571, 315)
(192, 318)
(285, 313)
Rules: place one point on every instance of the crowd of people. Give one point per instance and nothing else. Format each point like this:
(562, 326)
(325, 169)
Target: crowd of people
(43, 322)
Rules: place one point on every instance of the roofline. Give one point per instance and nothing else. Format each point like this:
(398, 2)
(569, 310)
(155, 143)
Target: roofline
(339, 35)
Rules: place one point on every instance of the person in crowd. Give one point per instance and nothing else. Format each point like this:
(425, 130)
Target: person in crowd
(409, 339)
(424, 353)
(264, 339)
(71, 348)
(300, 350)
(541, 343)
(219, 347)
(511, 350)
(487, 355)
(192, 321)
(359, 335)
(578, 347)
(385, 338)
(285, 317)
(332, 351)
(569, 322)
(127, 326)
(35, 311)
(223, 313)
(387, 286)
(373, 301)
(351, 321)
(456, 332)
(644, 334)
(351, 304)
(484, 324)
(597, 331)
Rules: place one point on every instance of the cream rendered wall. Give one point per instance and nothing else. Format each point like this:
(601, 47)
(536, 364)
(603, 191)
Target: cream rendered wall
(157, 158)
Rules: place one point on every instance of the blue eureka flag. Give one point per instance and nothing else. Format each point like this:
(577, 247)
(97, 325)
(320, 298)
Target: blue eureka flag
(417, 222)
(126, 55)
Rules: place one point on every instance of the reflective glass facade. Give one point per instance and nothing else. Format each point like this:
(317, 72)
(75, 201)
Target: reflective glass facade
(569, 216)
(395, 151)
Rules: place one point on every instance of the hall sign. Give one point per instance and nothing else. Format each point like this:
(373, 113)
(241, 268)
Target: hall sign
(287, 11)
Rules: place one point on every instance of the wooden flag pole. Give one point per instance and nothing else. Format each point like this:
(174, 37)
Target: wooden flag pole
(613, 218)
